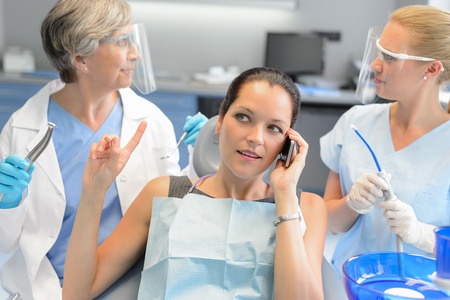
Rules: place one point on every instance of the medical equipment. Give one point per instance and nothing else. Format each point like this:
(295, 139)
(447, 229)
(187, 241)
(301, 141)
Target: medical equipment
(384, 54)
(388, 194)
(176, 147)
(365, 88)
(143, 77)
(379, 275)
(40, 147)
(140, 66)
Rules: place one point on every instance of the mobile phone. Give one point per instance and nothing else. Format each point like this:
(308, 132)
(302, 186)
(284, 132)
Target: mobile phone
(287, 151)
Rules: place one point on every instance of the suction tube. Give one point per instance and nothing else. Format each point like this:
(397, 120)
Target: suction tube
(389, 194)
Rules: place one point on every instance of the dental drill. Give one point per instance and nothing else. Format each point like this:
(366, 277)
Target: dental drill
(39, 148)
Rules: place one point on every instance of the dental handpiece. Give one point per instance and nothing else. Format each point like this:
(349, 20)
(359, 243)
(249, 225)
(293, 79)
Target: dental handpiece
(40, 147)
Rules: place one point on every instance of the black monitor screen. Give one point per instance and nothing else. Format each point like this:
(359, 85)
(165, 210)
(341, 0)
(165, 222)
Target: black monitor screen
(295, 53)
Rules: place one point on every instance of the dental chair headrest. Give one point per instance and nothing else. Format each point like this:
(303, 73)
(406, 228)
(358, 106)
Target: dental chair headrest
(206, 156)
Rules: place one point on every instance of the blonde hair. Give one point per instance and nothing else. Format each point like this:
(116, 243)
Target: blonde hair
(74, 27)
(429, 29)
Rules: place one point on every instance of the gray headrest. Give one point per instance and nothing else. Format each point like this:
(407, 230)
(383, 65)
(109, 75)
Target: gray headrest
(206, 156)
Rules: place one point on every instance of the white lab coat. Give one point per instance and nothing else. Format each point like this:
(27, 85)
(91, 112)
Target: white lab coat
(31, 229)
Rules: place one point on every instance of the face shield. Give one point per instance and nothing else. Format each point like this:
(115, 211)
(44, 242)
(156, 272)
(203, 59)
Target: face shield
(365, 88)
(138, 62)
(143, 77)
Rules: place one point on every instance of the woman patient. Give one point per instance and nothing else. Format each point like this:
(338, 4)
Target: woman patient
(255, 118)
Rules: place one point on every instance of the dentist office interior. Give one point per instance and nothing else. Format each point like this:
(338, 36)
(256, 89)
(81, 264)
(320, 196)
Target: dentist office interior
(198, 46)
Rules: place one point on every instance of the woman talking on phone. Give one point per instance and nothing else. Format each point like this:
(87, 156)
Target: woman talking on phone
(275, 234)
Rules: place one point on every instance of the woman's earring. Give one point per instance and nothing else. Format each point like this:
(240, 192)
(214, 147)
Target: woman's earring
(425, 77)
(215, 138)
(85, 69)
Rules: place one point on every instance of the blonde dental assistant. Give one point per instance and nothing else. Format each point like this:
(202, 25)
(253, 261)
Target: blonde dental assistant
(90, 43)
(409, 136)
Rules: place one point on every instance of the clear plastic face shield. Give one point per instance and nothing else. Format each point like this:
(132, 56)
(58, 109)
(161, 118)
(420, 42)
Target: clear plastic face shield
(143, 77)
(366, 89)
(138, 62)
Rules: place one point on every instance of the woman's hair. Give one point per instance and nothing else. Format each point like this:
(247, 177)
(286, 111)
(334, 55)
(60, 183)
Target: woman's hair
(269, 75)
(429, 29)
(75, 28)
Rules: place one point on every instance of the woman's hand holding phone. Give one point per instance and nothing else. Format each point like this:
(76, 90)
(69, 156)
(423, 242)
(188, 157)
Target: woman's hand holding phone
(284, 179)
(288, 171)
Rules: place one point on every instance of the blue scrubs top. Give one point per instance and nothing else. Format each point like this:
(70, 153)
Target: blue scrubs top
(72, 144)
(420, 176)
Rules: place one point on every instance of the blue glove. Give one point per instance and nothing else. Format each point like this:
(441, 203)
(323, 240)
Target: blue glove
(192, 127)
(13, 180)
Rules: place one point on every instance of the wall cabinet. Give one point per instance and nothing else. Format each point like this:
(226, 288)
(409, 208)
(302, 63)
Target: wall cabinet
(13, 95)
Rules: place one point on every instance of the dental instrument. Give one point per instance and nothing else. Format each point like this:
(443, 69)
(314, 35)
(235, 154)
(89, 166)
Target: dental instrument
(176, 147)
(388, 194)
(38, 149)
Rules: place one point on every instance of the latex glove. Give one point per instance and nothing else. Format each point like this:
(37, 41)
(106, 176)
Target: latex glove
(403, 221)
(13, 180)
(365, 192)
(192, 127)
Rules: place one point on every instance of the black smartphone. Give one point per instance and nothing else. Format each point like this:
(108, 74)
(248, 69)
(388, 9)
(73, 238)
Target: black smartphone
(287, 151)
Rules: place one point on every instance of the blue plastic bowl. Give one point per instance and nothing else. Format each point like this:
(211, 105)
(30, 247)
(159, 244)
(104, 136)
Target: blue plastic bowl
(390, 275)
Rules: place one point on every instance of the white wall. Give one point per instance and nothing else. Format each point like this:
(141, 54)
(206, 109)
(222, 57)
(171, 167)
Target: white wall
(22, 22)
(186, 38)
(444, 4)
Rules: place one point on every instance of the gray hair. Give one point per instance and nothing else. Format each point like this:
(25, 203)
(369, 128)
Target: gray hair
(74, 27)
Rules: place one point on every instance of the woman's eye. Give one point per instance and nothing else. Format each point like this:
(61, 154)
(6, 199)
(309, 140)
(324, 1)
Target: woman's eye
(275, 128)
(386, 57)
(123, 42)
(242, 117)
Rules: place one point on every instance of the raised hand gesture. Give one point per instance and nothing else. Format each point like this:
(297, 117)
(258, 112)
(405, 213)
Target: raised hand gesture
(107, 159)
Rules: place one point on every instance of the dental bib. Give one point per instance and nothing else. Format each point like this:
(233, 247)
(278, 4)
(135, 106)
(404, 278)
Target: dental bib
(209, 248)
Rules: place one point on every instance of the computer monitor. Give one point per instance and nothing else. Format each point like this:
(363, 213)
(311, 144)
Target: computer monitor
(295, 54)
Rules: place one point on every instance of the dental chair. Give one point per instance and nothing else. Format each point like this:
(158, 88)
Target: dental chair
(206, 158)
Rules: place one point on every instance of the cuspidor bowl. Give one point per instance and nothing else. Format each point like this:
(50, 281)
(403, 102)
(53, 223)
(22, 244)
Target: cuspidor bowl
(390, 276)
